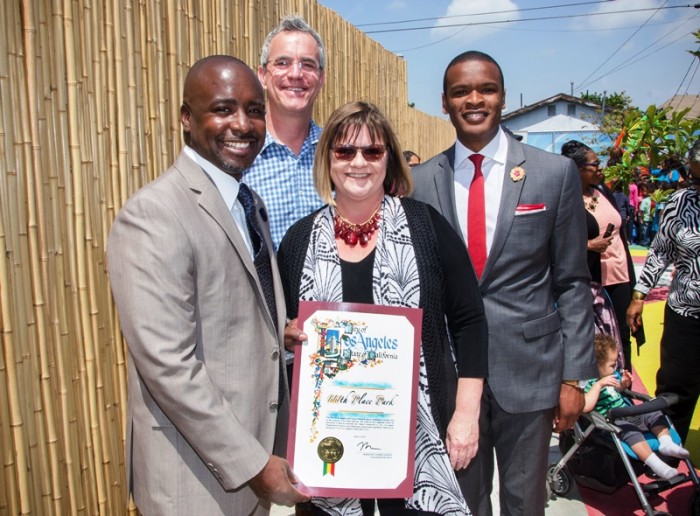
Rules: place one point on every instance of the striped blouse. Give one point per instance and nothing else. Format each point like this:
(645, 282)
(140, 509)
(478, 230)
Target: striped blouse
(677, 243)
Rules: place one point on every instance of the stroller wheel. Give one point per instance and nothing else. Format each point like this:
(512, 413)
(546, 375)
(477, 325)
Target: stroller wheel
(559, 483)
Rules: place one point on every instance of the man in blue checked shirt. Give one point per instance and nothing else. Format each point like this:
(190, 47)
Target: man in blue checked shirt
(291, 70)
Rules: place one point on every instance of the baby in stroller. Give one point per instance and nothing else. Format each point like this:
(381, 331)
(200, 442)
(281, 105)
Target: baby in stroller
(604, 394)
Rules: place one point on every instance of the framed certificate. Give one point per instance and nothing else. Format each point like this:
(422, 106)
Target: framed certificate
(353, 413)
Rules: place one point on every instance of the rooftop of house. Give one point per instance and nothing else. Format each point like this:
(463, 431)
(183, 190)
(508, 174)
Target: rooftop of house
(555, 98)
(681, 102)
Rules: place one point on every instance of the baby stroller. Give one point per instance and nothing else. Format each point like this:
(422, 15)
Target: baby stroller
(594, 455)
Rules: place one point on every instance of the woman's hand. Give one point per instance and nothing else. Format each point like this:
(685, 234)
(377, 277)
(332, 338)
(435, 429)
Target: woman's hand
(634, 314)
(600, 243)
(293, 336)
(462, 439)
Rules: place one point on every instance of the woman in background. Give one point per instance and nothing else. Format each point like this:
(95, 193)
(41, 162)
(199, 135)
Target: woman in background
(609, 259)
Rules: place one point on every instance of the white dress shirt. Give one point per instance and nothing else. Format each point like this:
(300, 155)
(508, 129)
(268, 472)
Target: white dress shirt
(228, 188)
(493, 168)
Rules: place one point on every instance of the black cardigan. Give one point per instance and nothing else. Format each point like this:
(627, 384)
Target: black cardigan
(437, 254)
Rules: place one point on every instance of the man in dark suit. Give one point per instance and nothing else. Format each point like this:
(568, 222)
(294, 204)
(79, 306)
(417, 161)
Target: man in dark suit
(525, 230)
(202, 310)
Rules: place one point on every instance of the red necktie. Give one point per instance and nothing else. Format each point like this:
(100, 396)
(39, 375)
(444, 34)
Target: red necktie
(476, 218)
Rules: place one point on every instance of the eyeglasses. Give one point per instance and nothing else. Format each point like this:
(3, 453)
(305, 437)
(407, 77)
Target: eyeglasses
(284, 64)
(594, 164)
(370, 152)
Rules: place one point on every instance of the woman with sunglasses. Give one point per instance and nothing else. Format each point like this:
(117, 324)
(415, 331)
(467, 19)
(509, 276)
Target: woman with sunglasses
(368, 245)
(609, 259)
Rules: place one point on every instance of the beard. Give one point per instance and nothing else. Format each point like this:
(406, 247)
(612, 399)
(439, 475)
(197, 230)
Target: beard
(230, 167)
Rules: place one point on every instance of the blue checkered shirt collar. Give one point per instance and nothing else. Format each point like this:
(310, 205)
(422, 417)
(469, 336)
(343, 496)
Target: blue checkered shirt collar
(285, 181)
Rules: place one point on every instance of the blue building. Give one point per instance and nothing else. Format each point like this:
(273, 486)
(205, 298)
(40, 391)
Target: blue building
(551, 122)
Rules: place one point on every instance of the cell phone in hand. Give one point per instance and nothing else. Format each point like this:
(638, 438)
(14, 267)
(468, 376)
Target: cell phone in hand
(609, 230)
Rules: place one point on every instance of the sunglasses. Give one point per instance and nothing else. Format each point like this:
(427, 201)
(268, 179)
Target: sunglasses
(370, 152)
(595, 164)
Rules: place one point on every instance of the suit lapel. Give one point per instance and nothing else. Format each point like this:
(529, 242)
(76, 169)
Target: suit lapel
(445, 187)
(211, 202)
(510, 195)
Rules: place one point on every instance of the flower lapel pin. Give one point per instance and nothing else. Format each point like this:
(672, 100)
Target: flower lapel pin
(517, 174)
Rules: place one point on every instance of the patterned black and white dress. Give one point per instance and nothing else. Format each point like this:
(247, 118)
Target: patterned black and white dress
(677, 243)
(407, 271)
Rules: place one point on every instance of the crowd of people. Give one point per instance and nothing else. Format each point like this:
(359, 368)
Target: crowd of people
(496, 242)
(640, 212)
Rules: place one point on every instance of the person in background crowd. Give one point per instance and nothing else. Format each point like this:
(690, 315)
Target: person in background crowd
(523, 221)
(292, 70)
(368, 245)
(622, 202)
(411, 158)
(646, 214)
(670, 170)
(201, 308)
(677, 244)
(614, 269)
(634, 202)
(615, 156)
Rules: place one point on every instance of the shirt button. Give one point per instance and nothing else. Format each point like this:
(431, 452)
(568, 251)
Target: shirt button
(276, 354)
(273, 405)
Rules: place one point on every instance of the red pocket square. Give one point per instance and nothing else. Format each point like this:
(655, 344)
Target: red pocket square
(529, 207)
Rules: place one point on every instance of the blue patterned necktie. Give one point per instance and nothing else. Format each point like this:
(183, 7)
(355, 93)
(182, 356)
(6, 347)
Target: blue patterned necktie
(260, 251)
(261, 259)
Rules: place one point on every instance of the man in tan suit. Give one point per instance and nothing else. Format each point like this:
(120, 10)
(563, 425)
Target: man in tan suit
(202, 319)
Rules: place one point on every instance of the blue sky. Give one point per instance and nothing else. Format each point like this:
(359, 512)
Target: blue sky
(642, 53)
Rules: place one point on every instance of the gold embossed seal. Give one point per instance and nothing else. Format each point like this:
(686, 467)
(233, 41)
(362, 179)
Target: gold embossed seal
(330, 450)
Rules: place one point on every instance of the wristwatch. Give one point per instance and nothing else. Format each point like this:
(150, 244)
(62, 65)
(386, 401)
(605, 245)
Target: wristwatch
(638, 296)
(572, 383)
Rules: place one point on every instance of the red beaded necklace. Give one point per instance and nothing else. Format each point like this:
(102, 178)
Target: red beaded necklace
(354, 233)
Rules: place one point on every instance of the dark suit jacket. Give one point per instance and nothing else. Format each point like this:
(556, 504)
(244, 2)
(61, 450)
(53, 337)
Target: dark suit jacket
(535, 284)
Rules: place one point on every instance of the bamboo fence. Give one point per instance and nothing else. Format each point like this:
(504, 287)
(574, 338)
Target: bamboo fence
(89, 98)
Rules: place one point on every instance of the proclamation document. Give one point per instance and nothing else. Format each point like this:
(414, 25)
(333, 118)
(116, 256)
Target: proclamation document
(353, 419)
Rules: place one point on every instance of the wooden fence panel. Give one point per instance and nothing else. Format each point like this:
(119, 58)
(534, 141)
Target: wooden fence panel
(89, 103)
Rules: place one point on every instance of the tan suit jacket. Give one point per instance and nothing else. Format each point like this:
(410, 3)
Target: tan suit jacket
(203, 363)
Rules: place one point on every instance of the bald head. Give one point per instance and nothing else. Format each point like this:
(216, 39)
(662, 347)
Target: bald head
(202, 68)
(223, 113)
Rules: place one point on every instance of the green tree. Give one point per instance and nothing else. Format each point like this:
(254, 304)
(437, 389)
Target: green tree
(615, 101)
(618, 106)
(696, 53)
(650, 137)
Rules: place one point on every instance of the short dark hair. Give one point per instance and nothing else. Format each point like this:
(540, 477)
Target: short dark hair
(407, 154)
(577, 151)
(471, 55)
